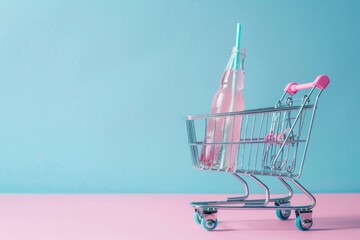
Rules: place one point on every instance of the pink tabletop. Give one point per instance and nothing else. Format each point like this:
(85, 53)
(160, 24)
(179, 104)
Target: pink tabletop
(107, 217)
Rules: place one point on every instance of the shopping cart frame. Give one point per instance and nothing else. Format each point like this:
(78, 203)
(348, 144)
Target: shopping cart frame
(206, 212)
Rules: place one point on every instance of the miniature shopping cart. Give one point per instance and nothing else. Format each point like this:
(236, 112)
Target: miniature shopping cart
(273, 142)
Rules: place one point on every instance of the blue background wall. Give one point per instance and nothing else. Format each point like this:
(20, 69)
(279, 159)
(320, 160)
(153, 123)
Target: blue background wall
(93, 94)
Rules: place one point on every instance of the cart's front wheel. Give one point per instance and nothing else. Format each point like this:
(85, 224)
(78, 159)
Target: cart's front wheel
(209, 224)
(283, 214)
(303, 225)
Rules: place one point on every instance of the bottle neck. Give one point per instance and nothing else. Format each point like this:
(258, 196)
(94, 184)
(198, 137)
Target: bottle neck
(239, 54)
(242, 58)
(233, 66)
(237, 59)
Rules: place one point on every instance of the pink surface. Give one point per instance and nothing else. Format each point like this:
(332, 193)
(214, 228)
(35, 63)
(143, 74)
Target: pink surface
(163, 217)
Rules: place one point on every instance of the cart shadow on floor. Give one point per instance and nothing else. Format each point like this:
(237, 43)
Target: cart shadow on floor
(255, 225)
(337, 223)
(320, 224)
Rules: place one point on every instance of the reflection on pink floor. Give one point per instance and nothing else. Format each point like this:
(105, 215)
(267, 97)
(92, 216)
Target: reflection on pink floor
(336, 216)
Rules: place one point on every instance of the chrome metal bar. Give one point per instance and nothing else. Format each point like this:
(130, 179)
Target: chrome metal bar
(243, 153)
(222, 151)
(307, 193)
(290, 191)
(247, 112)
(212, 149)
(242, 205)
(252, 137)
(266, 144)
(289, 123)
(247, 142)
(246, 188)
(267, 191)
(292, 127)
(205, 147)
(258, 138)
(309, 131)
(232, 145)
(238, 152)
(248, 202)
(192, 138)
(282, 97)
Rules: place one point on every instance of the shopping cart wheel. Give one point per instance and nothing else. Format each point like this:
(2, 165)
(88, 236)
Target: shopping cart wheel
(209, 224)
(208, 218)
(303, 220)
(283, 214)
(197, 216)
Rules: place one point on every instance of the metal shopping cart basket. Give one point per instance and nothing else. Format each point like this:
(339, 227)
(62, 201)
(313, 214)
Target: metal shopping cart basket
(273, 142)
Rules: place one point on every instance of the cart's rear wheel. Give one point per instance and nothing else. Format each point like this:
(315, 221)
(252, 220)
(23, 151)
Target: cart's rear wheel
(197, 217)
(283, 214)
(209, 224)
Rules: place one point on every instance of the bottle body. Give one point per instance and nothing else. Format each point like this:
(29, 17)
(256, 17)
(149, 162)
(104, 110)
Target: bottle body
(228, 98)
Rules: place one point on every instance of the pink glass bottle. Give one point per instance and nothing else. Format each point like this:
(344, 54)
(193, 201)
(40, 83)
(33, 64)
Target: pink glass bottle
(228, 98)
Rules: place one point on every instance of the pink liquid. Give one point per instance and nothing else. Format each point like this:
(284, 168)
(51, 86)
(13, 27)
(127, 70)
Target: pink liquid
(224, 129)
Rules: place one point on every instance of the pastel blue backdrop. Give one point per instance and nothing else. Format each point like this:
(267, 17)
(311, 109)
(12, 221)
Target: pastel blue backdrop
(93, 94)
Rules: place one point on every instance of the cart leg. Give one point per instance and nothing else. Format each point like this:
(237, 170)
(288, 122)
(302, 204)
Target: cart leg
(304, 219)
(307, 193)
(246, 188)
(254, 202)
(290, 191)
(265, 201)
(284, 214)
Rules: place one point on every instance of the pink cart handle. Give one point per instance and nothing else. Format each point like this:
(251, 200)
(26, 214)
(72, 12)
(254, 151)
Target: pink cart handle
(320, 82)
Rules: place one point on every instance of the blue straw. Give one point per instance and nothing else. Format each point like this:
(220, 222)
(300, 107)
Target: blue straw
(237, 45)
